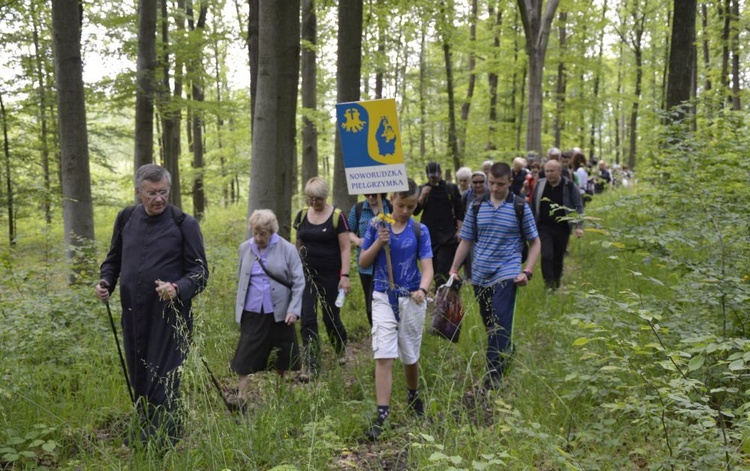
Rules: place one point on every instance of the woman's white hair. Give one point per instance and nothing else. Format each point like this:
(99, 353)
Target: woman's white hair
(263, 219)
(463, 172)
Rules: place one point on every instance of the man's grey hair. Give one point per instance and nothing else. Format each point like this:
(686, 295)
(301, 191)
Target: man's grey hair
(554, 151)
(153, 173)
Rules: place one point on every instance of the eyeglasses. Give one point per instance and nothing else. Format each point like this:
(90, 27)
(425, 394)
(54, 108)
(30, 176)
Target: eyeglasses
(315, 199)
(154, 194)
(478, 182)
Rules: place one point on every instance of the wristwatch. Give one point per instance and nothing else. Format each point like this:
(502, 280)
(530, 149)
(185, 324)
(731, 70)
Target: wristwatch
(528, 274)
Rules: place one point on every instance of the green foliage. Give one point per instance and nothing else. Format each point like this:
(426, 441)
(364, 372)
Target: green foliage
(31, 449)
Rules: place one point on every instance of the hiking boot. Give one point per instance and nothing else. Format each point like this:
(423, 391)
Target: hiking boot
(302, 377)
(373, 433)
(417, 406)
(236, 404)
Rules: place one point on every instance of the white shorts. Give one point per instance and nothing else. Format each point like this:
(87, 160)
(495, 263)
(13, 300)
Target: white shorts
(397, 339)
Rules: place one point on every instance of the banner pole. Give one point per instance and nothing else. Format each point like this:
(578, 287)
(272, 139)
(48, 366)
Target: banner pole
(387, 246)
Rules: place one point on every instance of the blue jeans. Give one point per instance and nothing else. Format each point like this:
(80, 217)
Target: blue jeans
(497, 304)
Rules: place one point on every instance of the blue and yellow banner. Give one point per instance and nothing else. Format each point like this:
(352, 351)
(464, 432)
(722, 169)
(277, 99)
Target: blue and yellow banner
(371, 145)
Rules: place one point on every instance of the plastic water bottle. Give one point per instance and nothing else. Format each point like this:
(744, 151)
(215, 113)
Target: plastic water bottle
(340, 298)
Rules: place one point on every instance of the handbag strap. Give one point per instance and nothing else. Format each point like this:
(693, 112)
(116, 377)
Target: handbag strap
(271, 275)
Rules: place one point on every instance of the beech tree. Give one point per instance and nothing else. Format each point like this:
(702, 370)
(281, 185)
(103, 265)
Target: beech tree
(309, 91)
(348, 72)
(78, 212)
(169, 106)
(274, 125)
(681, 55)
(144, 94)
(8, 184)
(195, 71)
(537, 21)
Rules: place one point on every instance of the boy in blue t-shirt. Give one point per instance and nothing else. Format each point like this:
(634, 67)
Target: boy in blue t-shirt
(398, 311)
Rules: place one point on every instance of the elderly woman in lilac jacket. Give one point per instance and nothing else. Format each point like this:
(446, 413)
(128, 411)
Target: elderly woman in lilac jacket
(268, 303)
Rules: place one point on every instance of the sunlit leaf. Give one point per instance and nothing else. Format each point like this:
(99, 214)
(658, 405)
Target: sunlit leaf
(696, 362)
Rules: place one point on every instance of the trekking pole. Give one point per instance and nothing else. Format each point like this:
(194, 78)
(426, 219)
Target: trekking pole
(217, 385)
(122, 359)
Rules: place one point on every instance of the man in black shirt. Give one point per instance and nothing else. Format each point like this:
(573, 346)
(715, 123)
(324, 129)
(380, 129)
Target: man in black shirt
(157, 255)
(442, 212)
(554, 198)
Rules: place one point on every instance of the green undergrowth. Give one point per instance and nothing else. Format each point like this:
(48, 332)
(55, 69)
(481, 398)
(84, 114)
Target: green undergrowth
(639, 361)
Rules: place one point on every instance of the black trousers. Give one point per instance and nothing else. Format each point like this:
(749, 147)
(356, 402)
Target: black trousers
(554, 243)
(442, 259)
(323, 287)
(366, 281)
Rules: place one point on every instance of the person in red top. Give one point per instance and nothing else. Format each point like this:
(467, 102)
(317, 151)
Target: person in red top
(531, 179)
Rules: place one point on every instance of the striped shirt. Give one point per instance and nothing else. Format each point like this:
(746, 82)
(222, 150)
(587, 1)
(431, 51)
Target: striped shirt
(497, 253)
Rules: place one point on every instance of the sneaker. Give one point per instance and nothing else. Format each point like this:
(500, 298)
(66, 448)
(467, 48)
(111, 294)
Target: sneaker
(342, 360)
(373, 433)
(417, 406)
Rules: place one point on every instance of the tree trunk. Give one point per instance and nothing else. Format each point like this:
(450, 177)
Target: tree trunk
(558, 123)
(619, 114)
(253, 36)
(452, 135)
(348, 72)
(634, 111)
(8, 179)
(706, 50)
(78, 211)
(735, 45)
(169, 109)
(309, 91)
(275, 110)
(466, 106)
(597, 116)
(492, 77)
(42, 94)
(536, 30)
(521, 108)
(381, 58)
(679, 82)
(219, 59)
(445, 27)
(196, 72)
(144, 94)
(422, 97)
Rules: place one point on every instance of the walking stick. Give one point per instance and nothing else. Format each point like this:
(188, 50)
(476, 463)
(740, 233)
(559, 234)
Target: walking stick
(217, 385)
(122, 359)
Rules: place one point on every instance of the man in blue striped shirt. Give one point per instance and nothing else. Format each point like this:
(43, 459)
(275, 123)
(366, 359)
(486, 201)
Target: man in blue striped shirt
(496, 264)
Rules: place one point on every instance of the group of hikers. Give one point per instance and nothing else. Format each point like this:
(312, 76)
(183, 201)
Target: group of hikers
(495, 222)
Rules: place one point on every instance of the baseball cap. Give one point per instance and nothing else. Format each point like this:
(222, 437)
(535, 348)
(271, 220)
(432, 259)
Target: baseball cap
(433, 169)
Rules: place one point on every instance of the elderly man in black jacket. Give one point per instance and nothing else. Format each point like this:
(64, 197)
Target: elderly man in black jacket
(554, 198)
(157, 253)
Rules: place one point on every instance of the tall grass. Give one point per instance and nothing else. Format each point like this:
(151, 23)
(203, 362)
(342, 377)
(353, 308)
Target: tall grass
(604, 375)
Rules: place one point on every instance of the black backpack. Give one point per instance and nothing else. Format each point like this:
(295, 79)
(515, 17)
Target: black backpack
(519, 203)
